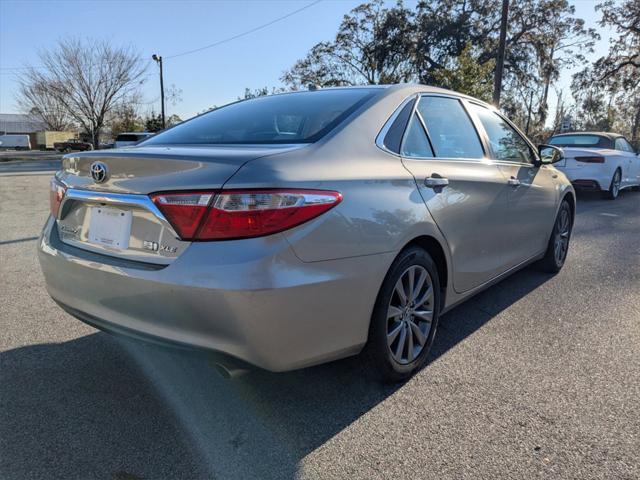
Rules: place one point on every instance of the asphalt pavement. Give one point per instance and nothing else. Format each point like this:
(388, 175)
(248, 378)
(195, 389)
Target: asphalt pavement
(537, 377)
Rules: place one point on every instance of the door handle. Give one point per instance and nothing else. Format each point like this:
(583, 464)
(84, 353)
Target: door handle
(514, 182)
(436, 181)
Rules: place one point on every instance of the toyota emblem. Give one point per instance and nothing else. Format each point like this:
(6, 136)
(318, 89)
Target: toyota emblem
(98, 172)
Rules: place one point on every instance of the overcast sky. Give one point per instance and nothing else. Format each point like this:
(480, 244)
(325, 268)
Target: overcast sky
(212, 76)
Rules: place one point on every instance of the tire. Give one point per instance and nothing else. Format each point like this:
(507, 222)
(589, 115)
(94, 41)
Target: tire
(614, 186)
(412, 324)
(558, 246)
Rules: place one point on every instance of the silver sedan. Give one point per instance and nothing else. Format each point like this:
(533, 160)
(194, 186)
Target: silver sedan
(295, 229)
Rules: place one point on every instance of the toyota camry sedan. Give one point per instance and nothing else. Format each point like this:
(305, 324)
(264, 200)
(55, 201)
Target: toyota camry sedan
(295, 229)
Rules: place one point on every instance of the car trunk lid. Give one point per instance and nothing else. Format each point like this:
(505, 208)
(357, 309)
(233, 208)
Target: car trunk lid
(571, 153)
(107, 208)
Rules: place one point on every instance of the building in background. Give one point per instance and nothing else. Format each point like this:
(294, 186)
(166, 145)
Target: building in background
(39, 136)
(18, 123)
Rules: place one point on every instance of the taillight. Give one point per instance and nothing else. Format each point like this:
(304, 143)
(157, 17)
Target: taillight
(237, 214)
(184, 210)
(592, 159)
(56, 193)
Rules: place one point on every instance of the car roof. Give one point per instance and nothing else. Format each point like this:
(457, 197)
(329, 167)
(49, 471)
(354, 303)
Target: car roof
(608, 135)
(410, 87)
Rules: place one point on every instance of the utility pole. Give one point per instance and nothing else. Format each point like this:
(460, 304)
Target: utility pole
(497, 85)
(158, 60)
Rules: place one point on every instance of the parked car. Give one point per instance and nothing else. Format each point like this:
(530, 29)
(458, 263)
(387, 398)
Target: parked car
(294, 229)
(598, 161)
(73, 145)
(15, 142)
(131, 138)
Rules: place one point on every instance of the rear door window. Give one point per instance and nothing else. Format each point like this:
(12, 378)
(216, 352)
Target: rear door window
(415, 142)
(506, 143)
(449, 128)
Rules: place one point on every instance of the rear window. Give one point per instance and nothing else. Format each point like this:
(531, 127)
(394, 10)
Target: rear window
(302, 117)
(584, 141)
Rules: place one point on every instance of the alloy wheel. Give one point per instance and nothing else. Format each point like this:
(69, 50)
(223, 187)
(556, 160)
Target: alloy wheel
(561, 241)
(615, 184)
(410, 314)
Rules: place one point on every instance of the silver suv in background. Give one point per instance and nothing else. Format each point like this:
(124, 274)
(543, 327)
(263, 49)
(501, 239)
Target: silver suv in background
(295, 229)
(127, 139)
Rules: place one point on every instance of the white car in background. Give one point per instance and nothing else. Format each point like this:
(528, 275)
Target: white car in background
(598, 161)
(127, 139)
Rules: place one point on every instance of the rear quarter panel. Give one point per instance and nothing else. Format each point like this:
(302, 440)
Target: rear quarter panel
(381, 210)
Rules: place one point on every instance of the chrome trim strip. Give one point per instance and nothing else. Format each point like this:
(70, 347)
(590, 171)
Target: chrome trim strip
(140, 201)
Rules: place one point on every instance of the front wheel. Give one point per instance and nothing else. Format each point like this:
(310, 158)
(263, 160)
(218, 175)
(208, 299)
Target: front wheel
(404, 318)
(558, 246)
(614, 187)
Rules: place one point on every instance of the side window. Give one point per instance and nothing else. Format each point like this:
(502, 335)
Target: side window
(506, 143)
(415, 142)
(624, 145)
(393, 138)
(450, 129)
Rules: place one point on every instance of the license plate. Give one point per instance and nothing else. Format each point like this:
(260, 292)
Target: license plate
(110, 227)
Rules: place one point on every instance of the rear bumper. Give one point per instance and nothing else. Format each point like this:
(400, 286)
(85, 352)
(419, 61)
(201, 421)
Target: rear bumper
(588, 177)
(252, 299)
(580, 184)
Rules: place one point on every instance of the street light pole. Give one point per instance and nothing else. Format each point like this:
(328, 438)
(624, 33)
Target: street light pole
(158, 59)
(497, 85)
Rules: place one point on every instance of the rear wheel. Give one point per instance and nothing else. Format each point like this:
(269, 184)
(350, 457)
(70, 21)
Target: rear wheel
(405, 317)
(614, 187)
(558, 246)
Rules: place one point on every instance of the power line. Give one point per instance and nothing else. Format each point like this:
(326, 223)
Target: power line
(16, 70)
(234, 37)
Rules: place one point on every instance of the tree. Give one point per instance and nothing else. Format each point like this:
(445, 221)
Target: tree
(617, 74)
(153, 122)
(624, 52)
(465, 74)
(373, 45)
(173, 120)
(125, 119)
(453, 43)
(37, 99)
(258, 92)
(444, 28)
(88, 79)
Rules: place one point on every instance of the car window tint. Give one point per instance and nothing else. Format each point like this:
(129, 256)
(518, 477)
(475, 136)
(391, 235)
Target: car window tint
(393, 138)
(127, 137)
(450, 129)
(506, 143)
(415, 142)
(581, 140)
(629, 146)
(623, 145)
(619, 145)
(300, 117)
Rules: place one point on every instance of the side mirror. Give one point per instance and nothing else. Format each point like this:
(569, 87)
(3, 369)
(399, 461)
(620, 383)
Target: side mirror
(550, 154)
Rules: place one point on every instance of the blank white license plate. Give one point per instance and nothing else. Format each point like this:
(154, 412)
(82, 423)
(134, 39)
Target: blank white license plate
(110, 227)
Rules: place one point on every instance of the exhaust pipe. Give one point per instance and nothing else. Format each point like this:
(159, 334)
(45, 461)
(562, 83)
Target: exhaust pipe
(229, 371)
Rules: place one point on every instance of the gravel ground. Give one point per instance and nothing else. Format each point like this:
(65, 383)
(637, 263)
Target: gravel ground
(535, 378)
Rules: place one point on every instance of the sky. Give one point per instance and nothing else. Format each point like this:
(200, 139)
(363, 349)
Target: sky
(211, 76)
